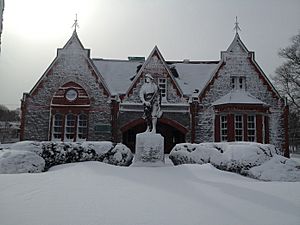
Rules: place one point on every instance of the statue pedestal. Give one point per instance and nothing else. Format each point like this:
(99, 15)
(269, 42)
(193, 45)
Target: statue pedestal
(149, 150)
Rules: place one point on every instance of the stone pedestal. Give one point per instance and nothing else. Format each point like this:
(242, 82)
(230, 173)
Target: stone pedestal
(149, 150)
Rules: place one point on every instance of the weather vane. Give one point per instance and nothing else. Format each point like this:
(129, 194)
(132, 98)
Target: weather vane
(236, 26)
(75, 24)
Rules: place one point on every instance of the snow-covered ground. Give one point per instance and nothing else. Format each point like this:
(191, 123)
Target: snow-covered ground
(89, 193)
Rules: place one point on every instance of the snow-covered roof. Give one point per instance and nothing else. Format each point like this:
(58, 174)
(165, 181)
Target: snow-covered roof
(193, 75)
(119, 74)
(238, 97)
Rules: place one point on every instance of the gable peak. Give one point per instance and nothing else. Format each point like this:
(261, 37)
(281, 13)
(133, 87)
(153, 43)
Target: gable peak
(237, 42)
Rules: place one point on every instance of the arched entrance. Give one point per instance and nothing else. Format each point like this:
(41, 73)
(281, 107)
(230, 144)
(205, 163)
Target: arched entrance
(172, 132)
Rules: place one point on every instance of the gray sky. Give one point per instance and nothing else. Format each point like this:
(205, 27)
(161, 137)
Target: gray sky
(190, 29)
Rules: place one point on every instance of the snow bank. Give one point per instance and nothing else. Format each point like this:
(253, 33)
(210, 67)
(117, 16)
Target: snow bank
(56, 153)
(278, 168)
(237, 157)
(16, 161)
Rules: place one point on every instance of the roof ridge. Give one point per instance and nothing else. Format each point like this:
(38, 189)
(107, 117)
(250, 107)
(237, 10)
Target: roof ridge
(116, 60)
(193, 61)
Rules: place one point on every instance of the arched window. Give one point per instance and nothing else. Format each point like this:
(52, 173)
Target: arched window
(70, 127)
(57, 126)
(82, 127)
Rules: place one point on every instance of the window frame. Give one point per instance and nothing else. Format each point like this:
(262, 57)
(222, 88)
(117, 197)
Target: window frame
(67, 126)
(238, 82)
(223, 129)
(162, 81)
(240, 136)
(251, 137)
(83, 127)
(56, 126)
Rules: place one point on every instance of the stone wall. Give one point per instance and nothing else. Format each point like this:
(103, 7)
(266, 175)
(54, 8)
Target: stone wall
(71, 64)
(238, 62)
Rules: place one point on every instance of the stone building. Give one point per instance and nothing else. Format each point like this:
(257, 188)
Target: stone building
(79, 98)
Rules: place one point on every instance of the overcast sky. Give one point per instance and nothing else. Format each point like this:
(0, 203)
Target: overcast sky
(182, 29)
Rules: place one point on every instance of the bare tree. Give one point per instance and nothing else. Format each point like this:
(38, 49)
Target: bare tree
(287, 80)
(287, 76)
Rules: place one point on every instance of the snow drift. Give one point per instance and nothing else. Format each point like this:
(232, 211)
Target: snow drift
(93, 193)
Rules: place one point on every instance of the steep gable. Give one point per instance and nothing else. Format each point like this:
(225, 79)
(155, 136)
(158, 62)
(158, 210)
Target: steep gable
(72, 69)
(235, 56)
(67, 63)
(157, 67)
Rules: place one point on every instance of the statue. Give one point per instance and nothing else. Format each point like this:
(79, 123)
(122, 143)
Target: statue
(151, 99)
(149, 147)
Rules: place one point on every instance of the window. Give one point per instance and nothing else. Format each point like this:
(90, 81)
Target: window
(57, 126)
(238, 126)
(162, 84)
(238, 82)
(224, 128)
(82, 127)
(70, 127)
(251, 128)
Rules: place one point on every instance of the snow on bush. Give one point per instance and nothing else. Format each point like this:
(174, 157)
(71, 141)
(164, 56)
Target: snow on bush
(278, 168)
(17, 161)
(231, 156)
(31, 146)
(56, 153)
(195, 153)
(120, 155)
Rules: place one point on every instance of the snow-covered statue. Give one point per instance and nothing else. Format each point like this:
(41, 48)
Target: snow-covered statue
(151, 99)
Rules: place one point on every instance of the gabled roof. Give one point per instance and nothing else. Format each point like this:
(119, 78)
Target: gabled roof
(193, 75)
(118, 74)
(74, 46)
(237, 41)
(74, 38)
(153, 52)
(238, 97)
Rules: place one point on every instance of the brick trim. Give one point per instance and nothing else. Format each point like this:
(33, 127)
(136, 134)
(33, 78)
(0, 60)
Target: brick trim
(259, 128)
(217, 128)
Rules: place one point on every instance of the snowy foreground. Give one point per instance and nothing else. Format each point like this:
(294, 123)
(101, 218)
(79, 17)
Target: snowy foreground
(89, 193)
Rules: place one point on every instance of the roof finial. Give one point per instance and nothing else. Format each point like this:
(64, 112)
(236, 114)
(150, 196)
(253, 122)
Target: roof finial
(75, 24)
(236, 26)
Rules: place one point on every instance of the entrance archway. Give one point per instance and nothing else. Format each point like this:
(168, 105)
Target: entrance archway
(172, 132)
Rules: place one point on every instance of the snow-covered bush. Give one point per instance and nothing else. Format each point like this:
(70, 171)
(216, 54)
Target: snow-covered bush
(195, 153)
(56, 153)
(241, 156)
(231, 156)
(17, 161)
(278, 168)
(120, 155)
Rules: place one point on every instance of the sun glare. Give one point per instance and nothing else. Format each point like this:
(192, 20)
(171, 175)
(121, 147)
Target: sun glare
(40, 19)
